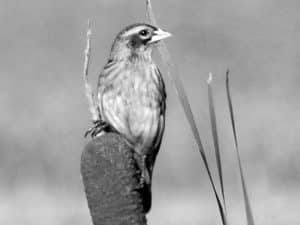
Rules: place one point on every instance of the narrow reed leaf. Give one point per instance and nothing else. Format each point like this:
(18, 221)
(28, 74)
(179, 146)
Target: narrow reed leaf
(248, 209)
(150, 13)
(88, 89)
(212, 113)
(177, 83)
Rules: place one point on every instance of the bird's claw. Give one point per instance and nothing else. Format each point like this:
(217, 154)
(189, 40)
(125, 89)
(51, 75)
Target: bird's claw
(97, 128)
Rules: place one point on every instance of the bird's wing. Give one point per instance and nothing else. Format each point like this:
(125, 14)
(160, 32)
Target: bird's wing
(157, 142)
(109, 102)
(105, 77)
(162, 87)
(150, 160)
(104, 73)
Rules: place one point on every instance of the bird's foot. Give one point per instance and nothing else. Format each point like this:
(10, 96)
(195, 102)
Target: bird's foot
(98, 127)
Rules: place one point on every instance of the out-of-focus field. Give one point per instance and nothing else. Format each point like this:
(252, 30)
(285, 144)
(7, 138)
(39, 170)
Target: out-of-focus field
(44, 112)
(37, 206)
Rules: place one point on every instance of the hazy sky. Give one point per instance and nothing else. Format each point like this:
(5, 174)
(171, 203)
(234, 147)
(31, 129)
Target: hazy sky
(44, 111)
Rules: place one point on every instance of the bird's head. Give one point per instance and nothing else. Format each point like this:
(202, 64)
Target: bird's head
(137, 41)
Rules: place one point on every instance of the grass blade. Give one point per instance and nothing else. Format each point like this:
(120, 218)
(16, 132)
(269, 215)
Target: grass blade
(212, 113)
(88, 89)
(248, 209)
(177, 83)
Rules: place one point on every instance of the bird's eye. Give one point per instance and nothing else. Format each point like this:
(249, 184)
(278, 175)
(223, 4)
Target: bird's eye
(144, 32)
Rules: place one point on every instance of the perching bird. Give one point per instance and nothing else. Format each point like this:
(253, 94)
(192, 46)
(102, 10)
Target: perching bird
(131, 94)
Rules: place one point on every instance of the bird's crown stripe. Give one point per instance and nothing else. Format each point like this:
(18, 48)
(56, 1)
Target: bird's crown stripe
(132, 31)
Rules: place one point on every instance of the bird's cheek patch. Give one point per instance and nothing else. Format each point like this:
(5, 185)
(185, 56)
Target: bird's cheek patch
(135, 42)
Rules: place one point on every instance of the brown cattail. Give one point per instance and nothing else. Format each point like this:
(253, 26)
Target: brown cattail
(112, 182)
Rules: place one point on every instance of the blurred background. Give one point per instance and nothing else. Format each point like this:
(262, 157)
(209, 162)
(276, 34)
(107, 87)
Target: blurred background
(44, 112)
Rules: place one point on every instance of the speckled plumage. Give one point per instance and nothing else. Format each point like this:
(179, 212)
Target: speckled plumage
(132, 100)
(131, 92)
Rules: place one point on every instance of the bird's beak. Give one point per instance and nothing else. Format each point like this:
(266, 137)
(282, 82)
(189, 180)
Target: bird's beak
(158, 35)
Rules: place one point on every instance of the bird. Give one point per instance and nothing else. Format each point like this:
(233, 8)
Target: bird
(131, 95)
